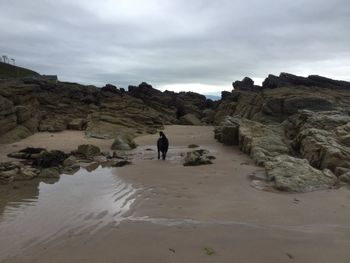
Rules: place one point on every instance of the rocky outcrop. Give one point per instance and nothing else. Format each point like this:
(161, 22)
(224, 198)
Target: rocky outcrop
(307, 119)
(247, 84)
(31, 105)
(285, 79)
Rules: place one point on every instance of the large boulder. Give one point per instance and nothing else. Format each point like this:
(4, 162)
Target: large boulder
(88, 150)
(78, 124)
(198, 157)
(190, 119)
(123, 142)
(297, 175)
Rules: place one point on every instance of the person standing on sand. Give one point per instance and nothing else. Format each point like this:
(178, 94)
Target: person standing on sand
(162, 145)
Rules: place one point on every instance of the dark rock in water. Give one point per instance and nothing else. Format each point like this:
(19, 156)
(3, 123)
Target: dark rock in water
(198, 157)
(122, 163)
(52, 172)
(50, 159)
(88, 150)
(28, 153)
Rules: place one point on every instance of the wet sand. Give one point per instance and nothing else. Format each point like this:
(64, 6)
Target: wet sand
(177, 214)
(65, 141)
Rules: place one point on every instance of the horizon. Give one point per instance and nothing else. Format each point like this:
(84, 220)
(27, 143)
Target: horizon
(200, 46)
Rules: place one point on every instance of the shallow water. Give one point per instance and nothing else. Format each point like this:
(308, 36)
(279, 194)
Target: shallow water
(84, 201)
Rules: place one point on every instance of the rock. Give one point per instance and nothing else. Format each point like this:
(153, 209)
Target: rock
(70, 161)
(26, 173)
(228, 132)
(123, 142)
(190, 119)
(247, 84)
(198, 157)
(112, 89)
(29, 153)
(23, 114)
(8, 176)
(345, 178)
(88, 150)
(52, 172)
(341, 170)
(121, 163)
(100, 159)
(285, 79)
(77, 124)
(50, 159)
(297, 175)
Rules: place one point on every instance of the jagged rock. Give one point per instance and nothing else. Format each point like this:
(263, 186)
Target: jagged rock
(123, 142)
(52, 172)
(228, 132)
(285, 79)
(190, 119)
(247, 84)
(341, 170)
(198, 157)
(77, 124)
(112, 89)
(100, 159)
(88, 150)
(297, 175)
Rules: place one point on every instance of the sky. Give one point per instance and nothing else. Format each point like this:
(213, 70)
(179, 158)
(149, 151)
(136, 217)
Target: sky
(192, 45)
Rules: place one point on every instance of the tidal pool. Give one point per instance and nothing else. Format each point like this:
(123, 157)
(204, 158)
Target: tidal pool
(40, 212)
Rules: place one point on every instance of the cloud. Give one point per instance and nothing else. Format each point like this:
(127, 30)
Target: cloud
(198, 44)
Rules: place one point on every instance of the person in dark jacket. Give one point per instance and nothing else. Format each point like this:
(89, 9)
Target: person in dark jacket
(162, 145)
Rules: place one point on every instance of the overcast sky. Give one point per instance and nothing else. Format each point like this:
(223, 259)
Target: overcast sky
(200, 45)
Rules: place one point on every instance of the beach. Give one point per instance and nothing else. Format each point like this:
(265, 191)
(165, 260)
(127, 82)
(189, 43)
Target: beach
(162, 211)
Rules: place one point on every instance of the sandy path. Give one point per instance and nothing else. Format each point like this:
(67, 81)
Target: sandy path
(180, 211)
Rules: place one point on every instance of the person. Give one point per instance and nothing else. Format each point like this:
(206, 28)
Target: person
(162, 145)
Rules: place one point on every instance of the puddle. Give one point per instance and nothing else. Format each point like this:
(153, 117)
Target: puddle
(84, 201)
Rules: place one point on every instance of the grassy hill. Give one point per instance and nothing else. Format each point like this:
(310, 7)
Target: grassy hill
(11, 71)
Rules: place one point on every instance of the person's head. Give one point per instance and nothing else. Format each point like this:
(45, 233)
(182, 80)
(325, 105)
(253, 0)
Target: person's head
(161, 134)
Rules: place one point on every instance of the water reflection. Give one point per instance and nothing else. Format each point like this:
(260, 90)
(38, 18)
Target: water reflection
(76, 203)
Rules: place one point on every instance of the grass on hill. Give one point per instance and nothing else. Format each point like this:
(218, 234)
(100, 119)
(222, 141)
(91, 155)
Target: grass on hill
(11, 71)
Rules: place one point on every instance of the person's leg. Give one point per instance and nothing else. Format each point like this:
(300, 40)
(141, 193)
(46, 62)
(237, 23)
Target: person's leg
(163, 155)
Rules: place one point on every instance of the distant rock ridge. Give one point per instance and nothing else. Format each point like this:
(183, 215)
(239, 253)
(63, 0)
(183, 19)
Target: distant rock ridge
(286, 79)
(34, 104)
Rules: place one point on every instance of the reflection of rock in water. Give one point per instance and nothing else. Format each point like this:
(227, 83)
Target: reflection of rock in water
(21, 193)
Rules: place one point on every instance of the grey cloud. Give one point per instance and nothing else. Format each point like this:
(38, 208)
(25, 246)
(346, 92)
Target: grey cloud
(171, 42)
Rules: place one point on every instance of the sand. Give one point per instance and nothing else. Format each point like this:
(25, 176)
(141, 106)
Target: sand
(65, 141)
(202, 214)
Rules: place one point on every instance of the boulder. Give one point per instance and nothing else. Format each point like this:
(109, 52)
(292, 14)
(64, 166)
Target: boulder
(247, 84)
(88, 150)
(189, 119)
(78, 124)
(123, 142)
(50, 159)
(345, 178)
(52, 172)
(297, 175)
(198, 157)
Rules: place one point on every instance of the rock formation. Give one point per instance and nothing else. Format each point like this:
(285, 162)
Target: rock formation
(297, 128)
